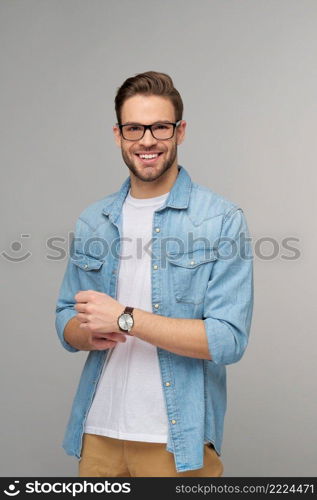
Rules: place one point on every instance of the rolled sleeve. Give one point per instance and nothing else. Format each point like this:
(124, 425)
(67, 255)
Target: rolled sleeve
(228, 303)
(62, 318)
(68, 289)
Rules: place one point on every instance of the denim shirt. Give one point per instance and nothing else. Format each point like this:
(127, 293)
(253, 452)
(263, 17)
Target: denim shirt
(201, 245)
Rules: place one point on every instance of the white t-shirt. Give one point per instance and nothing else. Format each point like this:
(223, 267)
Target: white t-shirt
(129, 401)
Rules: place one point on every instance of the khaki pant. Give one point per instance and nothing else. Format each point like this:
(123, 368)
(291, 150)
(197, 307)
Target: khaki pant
(107, 457)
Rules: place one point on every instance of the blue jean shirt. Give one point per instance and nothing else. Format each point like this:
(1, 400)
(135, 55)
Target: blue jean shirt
(201, 245)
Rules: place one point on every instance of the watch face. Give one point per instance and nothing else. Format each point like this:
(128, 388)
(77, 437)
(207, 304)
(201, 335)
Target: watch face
(125, 321)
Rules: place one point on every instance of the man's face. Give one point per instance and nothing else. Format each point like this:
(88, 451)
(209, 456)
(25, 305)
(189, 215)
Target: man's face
(146, 110)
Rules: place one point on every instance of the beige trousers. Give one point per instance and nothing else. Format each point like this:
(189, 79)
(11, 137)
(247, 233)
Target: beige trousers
(107, 457)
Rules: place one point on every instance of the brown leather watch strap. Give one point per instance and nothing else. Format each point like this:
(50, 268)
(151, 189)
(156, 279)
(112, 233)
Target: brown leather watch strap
(128, 310)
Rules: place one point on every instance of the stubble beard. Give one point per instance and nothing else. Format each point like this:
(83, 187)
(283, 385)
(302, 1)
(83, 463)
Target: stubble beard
(155, 175)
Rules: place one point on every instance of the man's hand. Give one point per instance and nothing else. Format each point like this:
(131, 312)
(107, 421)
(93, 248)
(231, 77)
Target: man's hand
(97, 314)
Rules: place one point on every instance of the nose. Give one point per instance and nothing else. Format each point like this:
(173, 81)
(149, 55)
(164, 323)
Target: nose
(148, 139)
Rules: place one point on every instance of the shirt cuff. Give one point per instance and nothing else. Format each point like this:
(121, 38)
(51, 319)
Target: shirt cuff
(62, 319)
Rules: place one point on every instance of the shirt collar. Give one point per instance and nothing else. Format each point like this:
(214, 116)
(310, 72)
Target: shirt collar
(178, 196)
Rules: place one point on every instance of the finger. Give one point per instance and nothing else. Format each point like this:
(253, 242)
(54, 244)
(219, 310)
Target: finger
(103, 344)
(110, 339)
(117, 337)
(83, 318)
(80, 307)
(83, 296)
(84, 325)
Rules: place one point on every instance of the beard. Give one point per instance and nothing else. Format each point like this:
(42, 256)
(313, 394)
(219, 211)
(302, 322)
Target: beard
(153, 176)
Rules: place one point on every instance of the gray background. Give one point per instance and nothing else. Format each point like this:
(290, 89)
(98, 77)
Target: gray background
(247, 72)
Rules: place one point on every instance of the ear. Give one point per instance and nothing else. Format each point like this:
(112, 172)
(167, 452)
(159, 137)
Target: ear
(117, 135)
(180, 132)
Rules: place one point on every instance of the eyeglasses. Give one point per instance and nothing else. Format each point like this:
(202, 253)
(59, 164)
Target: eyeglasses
(160, 130)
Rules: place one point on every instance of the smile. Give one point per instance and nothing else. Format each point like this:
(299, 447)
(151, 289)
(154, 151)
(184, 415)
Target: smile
(148, 157)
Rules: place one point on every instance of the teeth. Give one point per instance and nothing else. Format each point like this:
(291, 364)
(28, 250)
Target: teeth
(148, 157)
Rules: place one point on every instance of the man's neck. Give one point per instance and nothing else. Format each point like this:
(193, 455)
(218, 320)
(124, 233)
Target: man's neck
(162, 185)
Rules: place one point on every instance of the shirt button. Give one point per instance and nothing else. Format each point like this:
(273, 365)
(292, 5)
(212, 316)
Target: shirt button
(85, 266)
(173, 421)
(192, 263)
(167, 384)
(157, 229)
(156, 306)
(155, 267)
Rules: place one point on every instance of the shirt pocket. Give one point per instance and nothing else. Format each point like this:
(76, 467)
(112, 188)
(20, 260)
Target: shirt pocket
(89, 269)
(190, 273)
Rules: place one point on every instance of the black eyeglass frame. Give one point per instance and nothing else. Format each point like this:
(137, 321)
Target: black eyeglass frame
(148, 127)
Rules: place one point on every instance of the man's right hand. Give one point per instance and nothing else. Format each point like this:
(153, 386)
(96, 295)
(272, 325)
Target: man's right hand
(102, 341)
(84, 340)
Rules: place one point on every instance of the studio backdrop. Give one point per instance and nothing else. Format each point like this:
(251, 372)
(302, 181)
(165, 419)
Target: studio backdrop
(246, 70)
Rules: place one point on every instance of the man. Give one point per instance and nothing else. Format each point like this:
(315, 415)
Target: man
(159, 289)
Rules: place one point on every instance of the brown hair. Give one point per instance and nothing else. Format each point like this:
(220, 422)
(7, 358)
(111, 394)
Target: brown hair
(149, 83)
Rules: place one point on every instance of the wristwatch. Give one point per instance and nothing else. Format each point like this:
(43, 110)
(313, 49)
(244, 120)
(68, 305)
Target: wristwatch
(125, 320)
